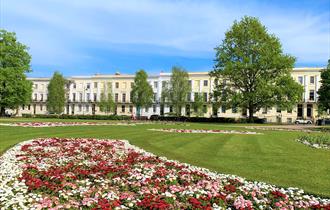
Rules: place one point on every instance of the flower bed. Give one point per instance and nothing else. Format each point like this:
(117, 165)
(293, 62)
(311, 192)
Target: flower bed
(171, 130)
(104, 174)
(58, 124)
(315, 141)
(282, 128)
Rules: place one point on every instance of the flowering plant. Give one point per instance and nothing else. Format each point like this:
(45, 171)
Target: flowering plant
(56, 173)
(172, 130)
(57, 124)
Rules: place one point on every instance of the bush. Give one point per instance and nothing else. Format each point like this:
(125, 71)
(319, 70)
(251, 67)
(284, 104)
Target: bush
(316, 139)
(27, 115)
(214, 119)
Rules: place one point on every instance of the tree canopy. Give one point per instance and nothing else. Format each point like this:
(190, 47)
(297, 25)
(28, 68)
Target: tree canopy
(324, 91)
(198, 104)
(252, 71)
(15, 90)
(177, 90)
(142, 93)
(56, 94)
(106, 103)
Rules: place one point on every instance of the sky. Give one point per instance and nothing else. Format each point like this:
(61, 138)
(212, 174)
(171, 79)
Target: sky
(85, 37)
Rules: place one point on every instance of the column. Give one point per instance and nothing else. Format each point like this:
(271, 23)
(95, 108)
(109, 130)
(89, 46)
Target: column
(305, 88)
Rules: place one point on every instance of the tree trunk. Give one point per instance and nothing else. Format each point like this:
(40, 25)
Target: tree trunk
(250, 114)
(2, 112)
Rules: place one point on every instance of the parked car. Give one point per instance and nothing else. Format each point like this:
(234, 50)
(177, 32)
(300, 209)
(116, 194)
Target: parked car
(303, 121)
(323, 122)
(154, 117)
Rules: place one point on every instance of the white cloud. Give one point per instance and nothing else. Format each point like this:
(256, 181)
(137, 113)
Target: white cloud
(59, 29)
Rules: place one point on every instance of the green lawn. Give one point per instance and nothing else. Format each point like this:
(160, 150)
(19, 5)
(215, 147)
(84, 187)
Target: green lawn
(274, 157)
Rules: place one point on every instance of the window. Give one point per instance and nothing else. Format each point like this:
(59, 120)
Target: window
(234, 109)
(132, 84)
(205, 97)
(190, 83)
(264, 110)
(87, 108)
(278, 109)
(88, 96)
(95, 96)
(73, 97)
(289, 111)
(74, 85)
(41, 97)
(156, 85)
(88, 86)
(131, 97)
(189, 97)
(155, 97)
(206, 83)
(35, 86)
(131, 109)
(124, 97)
(80, 96)
(40, 107)
(35, 96)
(300, 79)
(312, 79)
(147, 109)
(29, 107)
(117, 84)
(79, 107)
(154, 108)
(223, 109)
(171, 109)
(95, 84)
(204, 109)
(311, 95)
(116, 97)
(123, 108)
(23, 107)
(289, 120)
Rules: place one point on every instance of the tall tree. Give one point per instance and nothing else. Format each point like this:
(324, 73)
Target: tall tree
(56, 94)
(15, 90)
(142, 93)
(324, 91)
(198, 104)
(107, 104)
(252, 70)
(178, 88)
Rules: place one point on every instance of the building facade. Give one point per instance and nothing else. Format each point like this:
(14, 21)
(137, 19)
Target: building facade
(84, 93)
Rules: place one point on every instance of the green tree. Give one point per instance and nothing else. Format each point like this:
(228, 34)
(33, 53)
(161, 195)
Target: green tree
(252, 70)
(198, 104)
(177, 90)
(56, 93)
(142, 93)
(324, 91)
(15, 90)
(107, 104)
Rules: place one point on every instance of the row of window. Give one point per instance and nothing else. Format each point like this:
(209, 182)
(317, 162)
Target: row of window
(311, 79)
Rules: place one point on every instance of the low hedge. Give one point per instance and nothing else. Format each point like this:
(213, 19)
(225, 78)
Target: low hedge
(82, 117)
(214, 119)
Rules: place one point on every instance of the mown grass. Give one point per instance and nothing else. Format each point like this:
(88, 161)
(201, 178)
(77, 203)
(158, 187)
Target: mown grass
(274, 157)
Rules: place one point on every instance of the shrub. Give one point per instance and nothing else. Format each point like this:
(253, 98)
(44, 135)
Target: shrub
(316, 139)
(83, 117)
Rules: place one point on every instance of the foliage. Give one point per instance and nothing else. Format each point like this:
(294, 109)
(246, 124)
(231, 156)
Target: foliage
(142, 93)
(56, 94)
(177, 90)
(252, 71)
(80, 117)
(15, 90)
(107, 104)
(198, 104)
(324, 91)
(319, 140)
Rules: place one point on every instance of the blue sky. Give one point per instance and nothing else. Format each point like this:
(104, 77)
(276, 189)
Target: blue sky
(80, 37)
